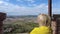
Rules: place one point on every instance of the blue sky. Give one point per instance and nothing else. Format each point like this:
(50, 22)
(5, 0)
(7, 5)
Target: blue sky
(28, 7)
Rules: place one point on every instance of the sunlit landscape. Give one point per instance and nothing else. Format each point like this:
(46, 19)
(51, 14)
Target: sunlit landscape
(21, 24)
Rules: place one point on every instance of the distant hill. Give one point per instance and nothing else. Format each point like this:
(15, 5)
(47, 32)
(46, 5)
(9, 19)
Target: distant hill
(23, 16)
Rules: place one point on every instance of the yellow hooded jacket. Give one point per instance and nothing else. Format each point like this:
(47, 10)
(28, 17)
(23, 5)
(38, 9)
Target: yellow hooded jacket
(41, 30)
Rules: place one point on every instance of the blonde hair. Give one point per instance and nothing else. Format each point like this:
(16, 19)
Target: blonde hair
(44, 19)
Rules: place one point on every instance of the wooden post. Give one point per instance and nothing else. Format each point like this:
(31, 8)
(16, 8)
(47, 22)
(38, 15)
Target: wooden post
(50, 12)
(50, 8)
(2, 17)
(54, 25)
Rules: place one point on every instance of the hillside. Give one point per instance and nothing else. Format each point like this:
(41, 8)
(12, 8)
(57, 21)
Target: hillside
(19, 24)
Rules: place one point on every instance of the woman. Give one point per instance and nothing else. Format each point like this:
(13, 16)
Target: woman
(44, 25)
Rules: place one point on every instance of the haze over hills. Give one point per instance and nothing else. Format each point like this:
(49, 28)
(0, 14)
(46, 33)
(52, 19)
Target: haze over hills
(21, 16)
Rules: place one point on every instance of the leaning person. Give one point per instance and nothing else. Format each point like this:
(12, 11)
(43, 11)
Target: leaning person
(44, 25)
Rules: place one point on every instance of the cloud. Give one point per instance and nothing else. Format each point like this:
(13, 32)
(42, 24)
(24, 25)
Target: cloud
(1, 2)
(22, 10)
(32, 5)
(7, 0)
(27, 0)
(32, 1)
(56, 10)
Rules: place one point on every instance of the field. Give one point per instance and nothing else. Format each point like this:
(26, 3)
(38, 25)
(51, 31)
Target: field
(22, 24)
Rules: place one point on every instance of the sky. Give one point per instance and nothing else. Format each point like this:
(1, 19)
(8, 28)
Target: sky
(28, 7)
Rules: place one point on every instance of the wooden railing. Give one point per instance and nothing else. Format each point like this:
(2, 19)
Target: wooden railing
(57, 27)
